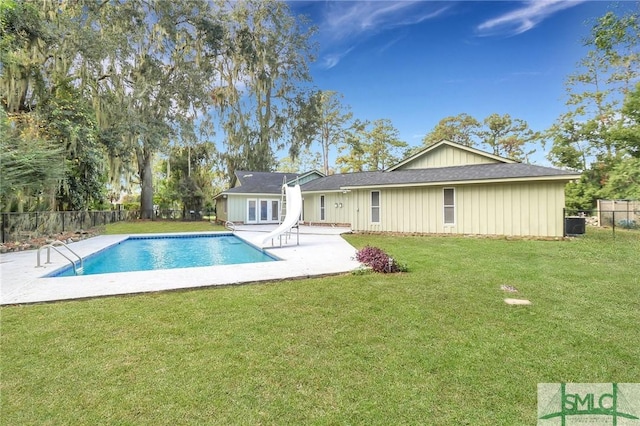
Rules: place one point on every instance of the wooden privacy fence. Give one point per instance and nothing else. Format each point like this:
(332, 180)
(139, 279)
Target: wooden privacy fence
(21, 226)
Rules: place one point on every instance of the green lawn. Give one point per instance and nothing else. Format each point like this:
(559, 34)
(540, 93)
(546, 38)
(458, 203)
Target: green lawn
(436, 345)
(155, 226)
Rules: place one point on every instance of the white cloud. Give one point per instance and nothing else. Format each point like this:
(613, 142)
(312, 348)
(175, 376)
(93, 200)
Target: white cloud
(332, 59)
(526, 17)
(352, 19)
(353, 22)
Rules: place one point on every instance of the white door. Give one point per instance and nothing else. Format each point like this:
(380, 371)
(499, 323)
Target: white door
(264, 211)
(275, 210)
(252, 211)
(269, 210)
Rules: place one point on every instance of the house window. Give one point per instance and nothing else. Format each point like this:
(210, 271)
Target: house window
(322, 207)
(375, 206)
(275, 210)
(449, 202)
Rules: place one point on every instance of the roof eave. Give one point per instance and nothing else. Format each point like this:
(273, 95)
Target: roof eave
(561, 178)
(250, 194)
(324, 191)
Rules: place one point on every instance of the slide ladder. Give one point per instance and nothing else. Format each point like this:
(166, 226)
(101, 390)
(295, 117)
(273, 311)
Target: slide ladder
(283, 201)
(54, 245)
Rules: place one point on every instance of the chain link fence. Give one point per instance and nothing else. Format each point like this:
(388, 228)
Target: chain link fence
(23, 226)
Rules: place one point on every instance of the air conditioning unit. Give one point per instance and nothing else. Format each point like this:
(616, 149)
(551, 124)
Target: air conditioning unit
(574, 225)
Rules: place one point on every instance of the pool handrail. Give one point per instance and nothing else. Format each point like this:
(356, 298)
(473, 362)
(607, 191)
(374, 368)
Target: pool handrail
(53, 246)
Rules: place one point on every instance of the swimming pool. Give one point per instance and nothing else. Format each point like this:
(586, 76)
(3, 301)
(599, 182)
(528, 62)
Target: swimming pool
(146, 253)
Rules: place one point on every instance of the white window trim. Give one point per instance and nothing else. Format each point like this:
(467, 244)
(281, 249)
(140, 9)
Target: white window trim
(444, 208)
(378, 207)
(322, 204)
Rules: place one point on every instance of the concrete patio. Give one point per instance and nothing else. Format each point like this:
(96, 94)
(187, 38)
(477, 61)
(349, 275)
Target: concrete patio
(322, 251)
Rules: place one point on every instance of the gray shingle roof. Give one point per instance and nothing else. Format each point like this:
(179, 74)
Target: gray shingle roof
(260, 182)
(443, 175)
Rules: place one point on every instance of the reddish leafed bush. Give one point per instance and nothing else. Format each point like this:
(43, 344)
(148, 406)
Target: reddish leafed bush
(378, 260)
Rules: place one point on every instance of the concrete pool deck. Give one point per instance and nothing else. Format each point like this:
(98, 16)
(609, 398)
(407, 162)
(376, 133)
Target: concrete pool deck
(322, 251)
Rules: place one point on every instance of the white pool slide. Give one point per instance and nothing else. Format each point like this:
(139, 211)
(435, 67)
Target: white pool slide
(294, 209)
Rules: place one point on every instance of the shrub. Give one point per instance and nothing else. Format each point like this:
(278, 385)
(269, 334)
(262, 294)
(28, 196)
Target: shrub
(131, 206)
(628, 224)
(378, 260)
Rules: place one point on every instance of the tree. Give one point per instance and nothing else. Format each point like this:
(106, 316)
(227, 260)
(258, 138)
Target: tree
(623, 181)
(305, 161)
(628, 132)
(352, 150)
(188, 177)
(506, 136)
(41, 51)
(385, 145)
(158, 78)
(143, 74)
(460, 129)
(596, 134)
(569, 146)
(623, 178)
(264, 57)
(31, 167)
(303, 113)
(326, 121)
(22, 38)
(371, 146)
(70, 120)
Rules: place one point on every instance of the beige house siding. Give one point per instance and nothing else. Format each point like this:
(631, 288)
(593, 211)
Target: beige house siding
(310, 207)
(446, 156)
(237, 207)
(520, 209)
(511, 209)
(221, 209)
(340, 214)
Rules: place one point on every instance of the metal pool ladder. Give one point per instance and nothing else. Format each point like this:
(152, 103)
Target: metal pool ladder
(53, 245)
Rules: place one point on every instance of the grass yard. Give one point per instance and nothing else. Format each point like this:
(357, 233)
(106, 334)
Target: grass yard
(436, 345)
(156, 226)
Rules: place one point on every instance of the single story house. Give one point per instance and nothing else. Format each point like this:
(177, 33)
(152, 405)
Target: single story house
(256, 197)
(445, 188)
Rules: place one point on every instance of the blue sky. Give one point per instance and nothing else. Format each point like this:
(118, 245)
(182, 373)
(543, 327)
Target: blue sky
(416, 62)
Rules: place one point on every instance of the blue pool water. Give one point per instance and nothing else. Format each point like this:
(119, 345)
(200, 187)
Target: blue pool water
(147, 253)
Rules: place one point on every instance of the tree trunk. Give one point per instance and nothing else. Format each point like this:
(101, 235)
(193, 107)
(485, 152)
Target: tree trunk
(146, 183)
(325, 151)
